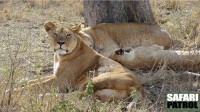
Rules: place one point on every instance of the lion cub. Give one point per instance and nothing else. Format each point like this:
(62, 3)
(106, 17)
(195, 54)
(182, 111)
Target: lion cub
(73, 59)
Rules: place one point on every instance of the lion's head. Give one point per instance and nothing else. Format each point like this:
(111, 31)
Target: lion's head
(62, 39)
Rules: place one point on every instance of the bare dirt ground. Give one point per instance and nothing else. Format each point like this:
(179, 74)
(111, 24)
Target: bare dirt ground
(25, 54)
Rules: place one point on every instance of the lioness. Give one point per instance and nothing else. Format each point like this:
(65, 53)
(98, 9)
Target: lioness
(148, 57)
(72, 61)
(108, 37)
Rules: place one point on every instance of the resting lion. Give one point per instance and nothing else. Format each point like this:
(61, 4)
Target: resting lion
(108, 37)
(73, 59)
(148, 57)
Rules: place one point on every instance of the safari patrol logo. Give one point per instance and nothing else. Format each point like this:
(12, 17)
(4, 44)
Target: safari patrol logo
(183, 103)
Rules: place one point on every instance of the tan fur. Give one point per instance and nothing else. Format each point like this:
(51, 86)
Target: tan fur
(108, 37)
(110, 79)
(148, 57)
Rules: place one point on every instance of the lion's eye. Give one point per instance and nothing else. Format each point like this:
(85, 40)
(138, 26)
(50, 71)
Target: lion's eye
(55, 34)
(68, 35)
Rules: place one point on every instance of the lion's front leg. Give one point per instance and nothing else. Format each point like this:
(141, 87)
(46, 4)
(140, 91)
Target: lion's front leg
(40, 79)
(37, 86)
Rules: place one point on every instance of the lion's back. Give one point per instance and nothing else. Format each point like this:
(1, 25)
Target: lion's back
(128, 34)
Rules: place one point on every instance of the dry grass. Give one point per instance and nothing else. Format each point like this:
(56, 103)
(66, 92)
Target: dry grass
(180, 19)
(25, 54)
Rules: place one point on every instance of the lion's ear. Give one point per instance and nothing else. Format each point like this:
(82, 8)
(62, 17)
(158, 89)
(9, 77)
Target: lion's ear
(76, 28)
(49, 26)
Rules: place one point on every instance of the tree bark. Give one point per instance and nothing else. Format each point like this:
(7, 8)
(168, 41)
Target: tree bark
(113, 11)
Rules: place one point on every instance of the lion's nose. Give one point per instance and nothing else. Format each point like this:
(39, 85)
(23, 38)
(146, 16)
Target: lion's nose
(61, 43)
(119, 52)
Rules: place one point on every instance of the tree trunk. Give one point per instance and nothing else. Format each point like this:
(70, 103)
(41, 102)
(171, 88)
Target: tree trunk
(117, 11)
